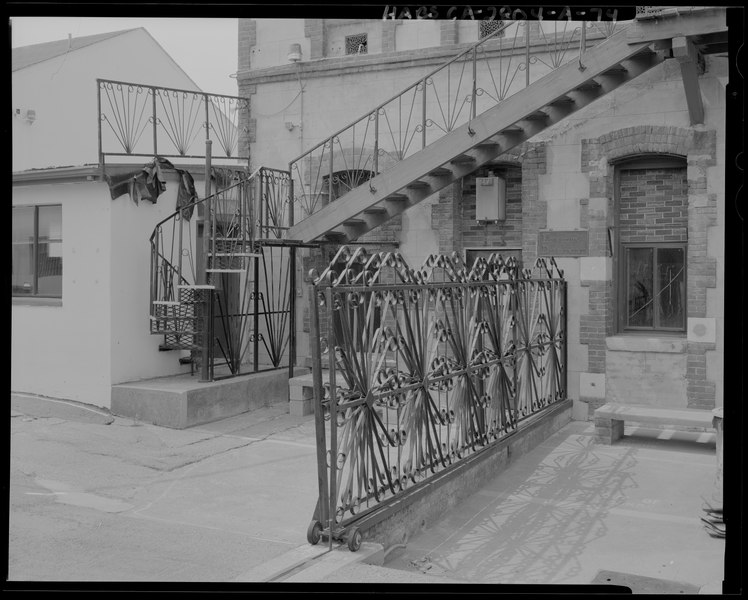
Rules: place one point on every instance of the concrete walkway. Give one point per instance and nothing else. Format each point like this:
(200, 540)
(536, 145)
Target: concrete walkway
(572, 512)
(96, 498)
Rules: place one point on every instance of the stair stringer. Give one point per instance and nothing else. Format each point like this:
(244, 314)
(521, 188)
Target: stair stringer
(483, 138)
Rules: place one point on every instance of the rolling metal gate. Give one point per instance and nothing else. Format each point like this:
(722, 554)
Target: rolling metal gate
(424, 368)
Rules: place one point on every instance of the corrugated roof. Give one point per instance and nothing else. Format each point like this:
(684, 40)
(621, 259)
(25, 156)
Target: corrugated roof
(25, 56)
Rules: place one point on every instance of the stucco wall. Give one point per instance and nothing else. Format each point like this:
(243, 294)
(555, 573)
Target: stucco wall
(98, 334)
(134, 351)
(63, 93)
(63, 351)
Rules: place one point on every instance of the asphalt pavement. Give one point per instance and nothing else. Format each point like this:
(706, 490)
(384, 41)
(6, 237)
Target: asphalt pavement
(103, 500)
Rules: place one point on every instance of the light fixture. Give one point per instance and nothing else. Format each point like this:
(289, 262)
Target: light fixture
(294, 53)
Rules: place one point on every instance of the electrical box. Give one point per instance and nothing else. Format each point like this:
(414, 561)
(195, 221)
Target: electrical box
(490, 199)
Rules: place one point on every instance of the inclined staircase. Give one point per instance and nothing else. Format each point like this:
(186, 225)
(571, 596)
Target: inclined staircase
(599, 70)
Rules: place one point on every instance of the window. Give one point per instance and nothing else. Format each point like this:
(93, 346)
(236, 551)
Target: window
(654, 287)
(344, 181)
(37, 251)
(488, 27)
(472, 254)
(356, 44)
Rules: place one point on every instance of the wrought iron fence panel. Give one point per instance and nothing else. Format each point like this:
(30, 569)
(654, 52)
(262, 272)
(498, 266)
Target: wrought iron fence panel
(427, 367)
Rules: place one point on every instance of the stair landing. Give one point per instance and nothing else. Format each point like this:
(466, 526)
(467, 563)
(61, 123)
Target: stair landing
(183, 401)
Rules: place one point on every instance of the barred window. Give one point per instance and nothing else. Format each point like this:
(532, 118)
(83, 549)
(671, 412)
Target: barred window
(488, 27)
(37, 251)
(356, 44)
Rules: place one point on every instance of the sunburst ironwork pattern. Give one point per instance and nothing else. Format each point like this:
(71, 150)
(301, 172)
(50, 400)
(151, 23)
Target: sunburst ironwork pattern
(246, 265)
(144, 120)
(428, 366)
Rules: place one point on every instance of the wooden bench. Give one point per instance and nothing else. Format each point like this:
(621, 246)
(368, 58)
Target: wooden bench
(609, 419)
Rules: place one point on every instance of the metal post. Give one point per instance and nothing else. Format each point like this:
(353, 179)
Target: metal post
(205, 366)
(256, 318)
(527, 52)
(319, 418)
(583, 41)
(329, 181)
(98, 105)
(202, 264)
(292, 314)
(155, 128)
(291, 199)
(475, 52)
(566, 337)
(333, 417)
(376, 141)
(423, 115)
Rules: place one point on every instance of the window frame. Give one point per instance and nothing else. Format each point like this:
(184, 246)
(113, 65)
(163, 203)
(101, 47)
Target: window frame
(35, 255)
(623, 288)
(365, 35)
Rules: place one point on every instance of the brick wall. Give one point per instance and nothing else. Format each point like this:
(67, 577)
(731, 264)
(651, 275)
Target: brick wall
(653, 205)
(504, 233)
(314, 29)
(453, 215)
(651, 212)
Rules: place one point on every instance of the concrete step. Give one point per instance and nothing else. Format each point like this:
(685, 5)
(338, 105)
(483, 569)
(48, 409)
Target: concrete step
(183, 401)
(301, 393)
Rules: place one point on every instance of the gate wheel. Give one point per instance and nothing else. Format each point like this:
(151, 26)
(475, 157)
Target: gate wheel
(314, 532)
(354, 539)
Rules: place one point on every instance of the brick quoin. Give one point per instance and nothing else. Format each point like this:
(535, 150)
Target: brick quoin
(649, 211)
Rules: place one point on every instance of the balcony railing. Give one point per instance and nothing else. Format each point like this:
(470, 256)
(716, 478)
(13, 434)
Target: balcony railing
(144, 120)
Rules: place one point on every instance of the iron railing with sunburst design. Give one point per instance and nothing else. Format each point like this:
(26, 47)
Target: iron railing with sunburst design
(426, 367)
(485, 74)
(144, 120)
(243, 273)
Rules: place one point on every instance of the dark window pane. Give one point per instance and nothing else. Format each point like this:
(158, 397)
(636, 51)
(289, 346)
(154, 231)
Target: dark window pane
(49, 251)
(23, 250)
(672, 287)
(639, 287)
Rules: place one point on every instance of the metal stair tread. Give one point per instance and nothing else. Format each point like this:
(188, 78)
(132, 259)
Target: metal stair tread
(225, 270)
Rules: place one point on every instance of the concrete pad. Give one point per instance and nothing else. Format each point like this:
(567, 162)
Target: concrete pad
(40, 407)
(569, 509)
(184, 401)
(644, 585)
(339, 558)
(264, 489)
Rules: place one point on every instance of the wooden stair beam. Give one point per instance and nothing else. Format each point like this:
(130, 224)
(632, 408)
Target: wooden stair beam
(540, 94)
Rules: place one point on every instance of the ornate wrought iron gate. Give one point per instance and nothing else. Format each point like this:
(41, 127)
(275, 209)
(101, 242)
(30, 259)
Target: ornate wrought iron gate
(426, 367)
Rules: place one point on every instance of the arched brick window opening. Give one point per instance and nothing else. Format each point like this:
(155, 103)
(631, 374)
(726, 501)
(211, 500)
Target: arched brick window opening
(651, 197)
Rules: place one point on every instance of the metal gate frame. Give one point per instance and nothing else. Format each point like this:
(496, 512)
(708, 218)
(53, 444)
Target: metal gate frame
(427, 369)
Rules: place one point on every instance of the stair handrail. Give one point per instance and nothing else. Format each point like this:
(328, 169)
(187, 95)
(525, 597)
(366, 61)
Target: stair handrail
(433, 105)
(200, 201)
(468, 50)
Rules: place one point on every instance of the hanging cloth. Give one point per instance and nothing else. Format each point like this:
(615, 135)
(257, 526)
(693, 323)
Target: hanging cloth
(186, 194)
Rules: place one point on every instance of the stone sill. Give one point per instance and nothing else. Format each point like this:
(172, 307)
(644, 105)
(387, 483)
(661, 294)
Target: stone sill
(36, 301)
(639, 343)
